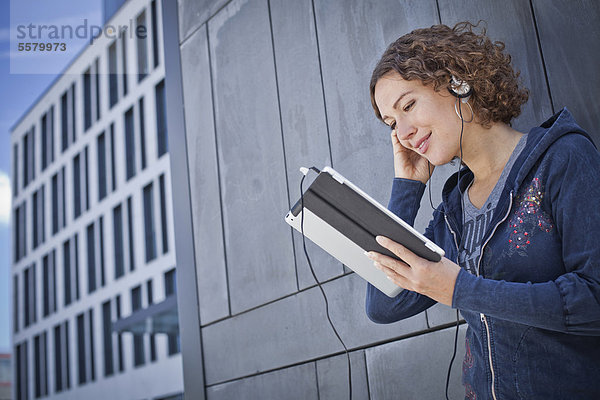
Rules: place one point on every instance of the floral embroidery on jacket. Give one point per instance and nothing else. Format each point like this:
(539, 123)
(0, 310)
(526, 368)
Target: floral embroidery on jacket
(528, 216)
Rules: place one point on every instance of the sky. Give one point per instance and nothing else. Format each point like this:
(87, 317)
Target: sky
(19, 91)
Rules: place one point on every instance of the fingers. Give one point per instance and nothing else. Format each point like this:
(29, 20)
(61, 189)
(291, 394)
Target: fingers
(402, 252)
(396, 271)
(388, 263)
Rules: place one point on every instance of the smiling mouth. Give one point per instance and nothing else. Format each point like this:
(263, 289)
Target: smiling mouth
(423, 145)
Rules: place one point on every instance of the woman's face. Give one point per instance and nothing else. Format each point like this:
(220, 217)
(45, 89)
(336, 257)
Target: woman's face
(424, 120)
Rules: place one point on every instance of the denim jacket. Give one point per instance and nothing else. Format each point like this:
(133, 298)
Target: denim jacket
(533, 308)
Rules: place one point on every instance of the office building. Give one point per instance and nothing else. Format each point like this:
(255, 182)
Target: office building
(93, 274)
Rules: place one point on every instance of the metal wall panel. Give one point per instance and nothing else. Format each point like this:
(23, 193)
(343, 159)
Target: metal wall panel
(416, 368)
(511, 22)
(332, 375)
(204, 179)
(441, 314)
(352, 37)
(289, 92)
(294, 330)
(194, 13)
(291, 383)
(570, 39)
(302, 115)
(258, 243)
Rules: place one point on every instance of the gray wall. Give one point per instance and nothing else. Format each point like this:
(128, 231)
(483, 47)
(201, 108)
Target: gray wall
(269, 86)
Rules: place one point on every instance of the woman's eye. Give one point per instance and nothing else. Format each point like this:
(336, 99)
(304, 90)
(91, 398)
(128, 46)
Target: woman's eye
(409, 106)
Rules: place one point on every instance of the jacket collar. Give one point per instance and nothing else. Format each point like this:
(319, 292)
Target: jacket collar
(539, 140)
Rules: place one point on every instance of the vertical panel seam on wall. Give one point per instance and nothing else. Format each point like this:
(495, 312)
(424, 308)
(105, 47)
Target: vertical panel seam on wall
(367, 374)
(190, 34)
(539, 43)
(285, 167)
(437, 5)
(317, 380)
(322, 81)
(214, 99)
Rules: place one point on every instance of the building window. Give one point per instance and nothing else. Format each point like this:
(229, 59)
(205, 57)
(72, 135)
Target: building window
(34, 217)
(170, 283)
(91, 258)
(142, 133)
(118, 242)
(80, 182)
(29, 157)
(47, 125)
(16, 303)
(161, 118)
(130, 234)
(119, 337)
(124, 58)
(40, 343)
(138, 338)
(154, 34)
(64, 121)
(55, 205)
(173, 344)
(21, 372)
(150, 297)
(113, 82)
(91, 95)
(20, 231)
(87, 177)
(25, 147)
(29, 295)
(101, 146)
(141, 34)
(58, 201)
(113, 166)
(97, 90)
(163, 213)
(76, 186)
(87, 99)
(15, 171)
(107, 342)
(85, 347)
(62, 365)
(38, 202)
(81, 354)
(67, 118)
(71, 269)
(101, 250)
(129, 144)
(95, 255)
(49, 283)
(149, 229)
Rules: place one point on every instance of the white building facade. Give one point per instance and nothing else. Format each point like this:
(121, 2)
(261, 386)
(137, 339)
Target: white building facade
(93, 239)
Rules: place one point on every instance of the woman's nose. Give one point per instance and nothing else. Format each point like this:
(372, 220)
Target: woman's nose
(404, 130)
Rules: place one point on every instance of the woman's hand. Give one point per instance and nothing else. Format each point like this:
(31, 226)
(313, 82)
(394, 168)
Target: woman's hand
(408, 163)
(433, 279)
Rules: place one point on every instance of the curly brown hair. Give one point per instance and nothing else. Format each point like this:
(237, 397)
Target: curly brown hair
(432, 55)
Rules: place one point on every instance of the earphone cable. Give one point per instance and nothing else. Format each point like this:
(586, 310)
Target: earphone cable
(462, 199)
(320, 287)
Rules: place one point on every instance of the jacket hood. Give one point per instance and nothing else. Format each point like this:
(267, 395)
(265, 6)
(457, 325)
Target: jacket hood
(539, 140)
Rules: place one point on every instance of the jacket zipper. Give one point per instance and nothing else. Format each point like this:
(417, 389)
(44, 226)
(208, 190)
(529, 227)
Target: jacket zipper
(453, 234)
(483, 317)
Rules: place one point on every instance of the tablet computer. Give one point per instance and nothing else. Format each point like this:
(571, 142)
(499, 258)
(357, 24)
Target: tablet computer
(344, 221)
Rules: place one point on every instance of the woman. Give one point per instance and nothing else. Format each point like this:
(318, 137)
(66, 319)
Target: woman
(519, 223)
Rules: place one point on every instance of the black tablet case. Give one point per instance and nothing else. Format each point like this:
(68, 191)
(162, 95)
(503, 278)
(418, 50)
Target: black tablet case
(356, 218)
